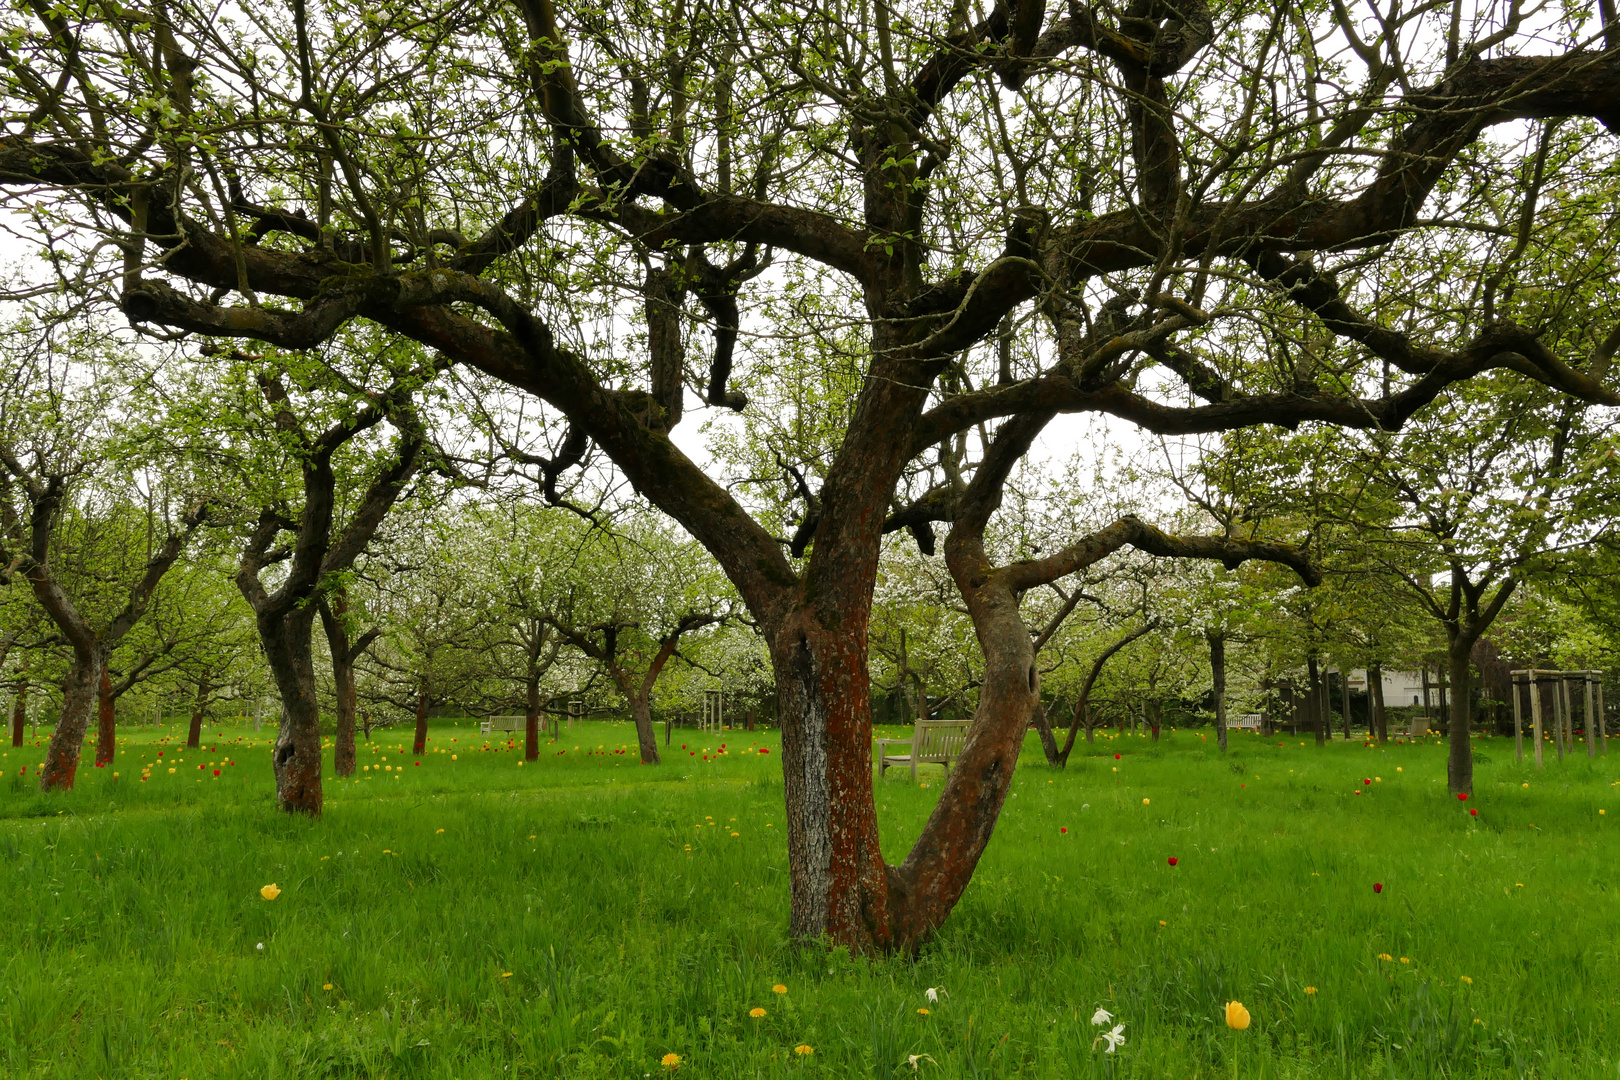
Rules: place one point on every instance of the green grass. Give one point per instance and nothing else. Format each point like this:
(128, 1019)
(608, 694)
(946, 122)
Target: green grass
(582, 917)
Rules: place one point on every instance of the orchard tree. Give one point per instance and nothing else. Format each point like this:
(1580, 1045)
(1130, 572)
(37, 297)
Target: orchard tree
(956, 222)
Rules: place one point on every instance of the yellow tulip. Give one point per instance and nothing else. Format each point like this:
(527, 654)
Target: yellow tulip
(1237, 1017)
(270, 891)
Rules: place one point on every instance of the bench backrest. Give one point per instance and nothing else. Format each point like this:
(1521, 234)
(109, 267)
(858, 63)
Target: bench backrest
(939, 738)
(507, 723)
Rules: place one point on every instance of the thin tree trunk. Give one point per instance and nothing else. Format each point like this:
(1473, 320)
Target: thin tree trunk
(646, 737)
(79, 692)
(531, 717)
(1217, 671)
(1043, 726)
(1375, 686)
(198, 707)
(1344, 692)
(419, 743)
(1416, 729)
(1460, 756)
(106, 716)
(19, 711)
(1316, 698)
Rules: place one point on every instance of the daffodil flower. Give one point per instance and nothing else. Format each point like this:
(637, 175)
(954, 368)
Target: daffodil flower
(933, 993)
(1114, 1037)
(1101, 1017)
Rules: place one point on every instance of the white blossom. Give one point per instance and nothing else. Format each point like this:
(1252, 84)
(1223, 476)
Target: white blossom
(1114, 1038)
(1101, 1017)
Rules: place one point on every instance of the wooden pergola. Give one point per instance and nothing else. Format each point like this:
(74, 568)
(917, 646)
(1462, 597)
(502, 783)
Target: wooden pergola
(1562, 721)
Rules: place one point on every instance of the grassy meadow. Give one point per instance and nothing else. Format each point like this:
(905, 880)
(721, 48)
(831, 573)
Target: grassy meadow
(586, 916)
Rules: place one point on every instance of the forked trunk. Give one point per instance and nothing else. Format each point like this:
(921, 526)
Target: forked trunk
(198, 708)
(419, 743)
(531, 719)
(1460, 753)
(646, 737)
(19, 711)
(79, 693)
(1217, 669)
(106, 733)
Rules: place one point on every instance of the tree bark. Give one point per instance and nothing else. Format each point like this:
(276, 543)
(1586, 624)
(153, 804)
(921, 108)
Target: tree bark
(19, 711)
(296, 755)
(1217, 670)
(1344, 694)
(1043, 726)
(198, 708)
(1317, 699)
(106, 716)
(1375, 686)
(1459, 753)
(79, 692)
(419, 742)
(344, 653)
(646, 737)
(531, 718)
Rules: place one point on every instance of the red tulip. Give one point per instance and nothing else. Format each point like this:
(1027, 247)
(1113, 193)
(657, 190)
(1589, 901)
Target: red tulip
(216, 772)
(1462, 796)
(1116, 757)
(1172, 860)
(1063, 830)
(1378, 886)
(1474, 813)
(1366, 780)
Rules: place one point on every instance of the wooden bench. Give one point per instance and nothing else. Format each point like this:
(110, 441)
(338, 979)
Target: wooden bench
(937, 742)
(503, 723)
(1244, 722)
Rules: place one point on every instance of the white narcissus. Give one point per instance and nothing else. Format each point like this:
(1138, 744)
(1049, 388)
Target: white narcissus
(1101, 1017)
(1115, 1038)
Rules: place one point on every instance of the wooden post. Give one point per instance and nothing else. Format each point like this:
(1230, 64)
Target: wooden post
(1518, 729)
(1557, 718)
(1569, 713)
(1603, 737)
(1535, 714)
(1591, 746)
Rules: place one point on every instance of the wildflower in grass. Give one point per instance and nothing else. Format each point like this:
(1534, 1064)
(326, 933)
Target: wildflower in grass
(922, 1012)
(1172, 860)
(1475, 813)
(1311, 990)
(756, 1012)
(270, 891)
(1101, 1017)
(260, 946)
(804, 1049)
(1237, 1017)
(1378, 886)
(1404, 960)
(1063, 830)
(934, 993)
(1462, 796)
(917, 1059)
(438, 831)
(1385, 956)
(506, 974)
(1117, 757)
(778, 989)
(1466, 979)
(1145, 802)
(671, 1061)
(326, 986)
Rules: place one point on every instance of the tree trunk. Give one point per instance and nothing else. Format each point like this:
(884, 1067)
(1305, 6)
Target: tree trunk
(531, 718)
(106, 715)
(1460, 755)
(1416, 729)
(198, 707)
(1043, 726)
(419, 743)
(646, 737)
(19, 711)
(1217, 671)
(1375, 686)
(1317, 699)
(296, 756)
(346, 701)
(1344, 694)
(79, 692)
